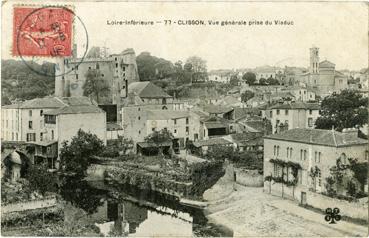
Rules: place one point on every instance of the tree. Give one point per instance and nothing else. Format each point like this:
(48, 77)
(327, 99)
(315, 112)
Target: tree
(76, 155)
(247, 95)
(153, 68)
(263, 81)
(249, 77)
(159, 137)
(197, 66)
(234, 80)
(95, 85)
(347, 109)
(272, 81)
(40, 179)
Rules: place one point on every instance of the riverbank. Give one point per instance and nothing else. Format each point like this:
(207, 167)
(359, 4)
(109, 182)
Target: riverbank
(250, 212)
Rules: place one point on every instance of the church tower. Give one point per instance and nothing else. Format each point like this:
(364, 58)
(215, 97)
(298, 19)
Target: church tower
(314, 60)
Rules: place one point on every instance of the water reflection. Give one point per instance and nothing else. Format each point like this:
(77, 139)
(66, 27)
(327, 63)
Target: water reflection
(127, 211)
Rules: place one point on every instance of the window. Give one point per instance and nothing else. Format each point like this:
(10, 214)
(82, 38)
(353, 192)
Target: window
(278, 111)
(50, 119)
(187, 129)
(41, 112)
(319, 155)
(116, 65)
(30, 125)
(275, 150)
(319, 178)
(41, 136)
(271, 114)
(316, 157)
(187, 120)
(139, 132)
(366, 154)
(116, 58)
(52, 134)
(153, 129)
(301, 152)
(89, 67)
(102, 75)
(31, 136)
(30, 113)
(139, 118)
(310, 111)
(278, 150)
(76, 76)
(286, 112)
(310, 122)
(305, 153)
(97, 66)
(175, 131)
(175, 121)
(124, 68)
(290, 152)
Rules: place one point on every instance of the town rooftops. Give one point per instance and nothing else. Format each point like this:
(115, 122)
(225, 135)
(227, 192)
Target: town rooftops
(320, 137)
(166, 114)
(212, 141)
(147, 90)
(75, 110)
(297, 105)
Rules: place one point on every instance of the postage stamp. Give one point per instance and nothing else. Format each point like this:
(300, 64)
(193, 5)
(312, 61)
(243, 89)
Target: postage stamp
(42, 31)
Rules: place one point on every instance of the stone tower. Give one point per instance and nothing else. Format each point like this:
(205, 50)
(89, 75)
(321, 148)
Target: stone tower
(314, 60)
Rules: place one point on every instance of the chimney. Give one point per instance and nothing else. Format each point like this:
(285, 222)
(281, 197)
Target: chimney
(350, 134)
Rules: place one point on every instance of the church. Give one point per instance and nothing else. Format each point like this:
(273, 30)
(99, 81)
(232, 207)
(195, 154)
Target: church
(322, 76)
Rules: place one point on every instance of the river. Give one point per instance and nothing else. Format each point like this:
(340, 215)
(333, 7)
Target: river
(94, 208)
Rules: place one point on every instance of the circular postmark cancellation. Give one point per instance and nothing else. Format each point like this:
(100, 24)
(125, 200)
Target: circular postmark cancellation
(45, 32)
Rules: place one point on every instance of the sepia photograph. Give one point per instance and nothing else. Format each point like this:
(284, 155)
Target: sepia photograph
(184, 118)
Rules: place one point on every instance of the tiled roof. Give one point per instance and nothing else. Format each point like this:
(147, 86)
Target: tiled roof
(76, 110)
(318, 137)
(46, 102)
(74, 101)
(147, 90)
(297, 105)
(12, 106)
(166, 114)
(216, 109)
(212, 141)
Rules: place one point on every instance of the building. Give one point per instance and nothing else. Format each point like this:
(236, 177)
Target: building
(62, 124)
(285, 116)
(220, 78)
(305, 156)
(140, 121)
(118, 70)
(149, 93)
(25, 121)
(323, 76)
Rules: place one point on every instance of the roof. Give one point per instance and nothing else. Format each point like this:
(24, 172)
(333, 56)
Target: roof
(326, 64)
(42, 143)
(215, 124)
(282, 95)
(147, 90)
(297, 105)
(50, 102)
(247, 139)
(212, 141)
(166, 114)
(318, 137)
(75, 110)
(152, 144)
(216, 109)
(242, 112)
(111, 126)
(46, 102)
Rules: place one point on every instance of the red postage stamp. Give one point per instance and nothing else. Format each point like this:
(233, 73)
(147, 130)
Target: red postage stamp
(42, 31)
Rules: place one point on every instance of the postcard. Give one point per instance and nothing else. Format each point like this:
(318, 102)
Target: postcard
(184, 119)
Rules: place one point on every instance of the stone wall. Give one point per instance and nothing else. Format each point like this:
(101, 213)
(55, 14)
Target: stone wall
(358, 210)
(250, 178)
(28, 205)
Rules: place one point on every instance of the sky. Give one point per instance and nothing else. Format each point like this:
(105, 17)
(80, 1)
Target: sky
(339, 29)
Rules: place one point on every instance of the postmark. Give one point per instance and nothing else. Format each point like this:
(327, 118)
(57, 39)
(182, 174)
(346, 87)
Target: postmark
(45, 33)
(42, 31)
